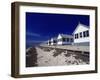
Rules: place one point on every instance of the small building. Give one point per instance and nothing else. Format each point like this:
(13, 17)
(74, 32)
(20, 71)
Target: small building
(81, 35)
(64, 39)
(53, 41)
(49, 42)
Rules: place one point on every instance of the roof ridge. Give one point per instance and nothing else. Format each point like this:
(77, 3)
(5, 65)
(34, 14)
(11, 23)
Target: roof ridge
(83, 25)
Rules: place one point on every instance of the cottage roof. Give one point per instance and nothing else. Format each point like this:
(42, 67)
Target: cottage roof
(55, 38)
(79, 26)
(65, 35)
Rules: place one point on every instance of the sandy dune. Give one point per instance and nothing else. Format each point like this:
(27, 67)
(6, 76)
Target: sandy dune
(53, 56)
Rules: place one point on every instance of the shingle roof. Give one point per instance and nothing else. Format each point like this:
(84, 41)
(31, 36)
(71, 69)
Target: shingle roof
(66, 35)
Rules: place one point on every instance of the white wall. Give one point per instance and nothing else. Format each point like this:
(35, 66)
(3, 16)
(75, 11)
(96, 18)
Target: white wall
(5, 41)
(79, 29)
(61, 42)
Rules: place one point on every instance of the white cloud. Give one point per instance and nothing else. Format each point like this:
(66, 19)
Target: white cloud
(33, 34)
(34, 41)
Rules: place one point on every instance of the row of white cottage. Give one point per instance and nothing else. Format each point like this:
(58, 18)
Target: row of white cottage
(80, 36)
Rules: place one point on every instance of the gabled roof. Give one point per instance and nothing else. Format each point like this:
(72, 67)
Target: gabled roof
(65, 35)
(80, 25)
(54, 38)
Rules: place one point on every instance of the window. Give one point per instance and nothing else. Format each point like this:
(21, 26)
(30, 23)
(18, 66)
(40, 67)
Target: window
(87, 33)
(71, 40)
(84, 34)
(80, 34)
(49, 42)
(76, 36)
(67, 39)
(54, 41)
(63, 39)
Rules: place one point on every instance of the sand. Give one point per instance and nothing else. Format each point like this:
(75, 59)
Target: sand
(54, 57)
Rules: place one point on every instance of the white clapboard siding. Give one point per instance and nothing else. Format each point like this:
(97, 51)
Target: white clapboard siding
(81, 28)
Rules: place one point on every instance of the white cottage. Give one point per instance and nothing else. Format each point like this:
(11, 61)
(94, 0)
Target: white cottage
(53, 41)
(81, 35)
(64, 39)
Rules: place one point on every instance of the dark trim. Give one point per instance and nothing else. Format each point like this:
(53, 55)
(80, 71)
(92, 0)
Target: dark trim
(12, 41)
(15, 38)
(55, 74)
(96, 39)
(55, 5)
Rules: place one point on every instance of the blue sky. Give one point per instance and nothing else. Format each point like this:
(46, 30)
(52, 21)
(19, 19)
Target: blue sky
(42, 26)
